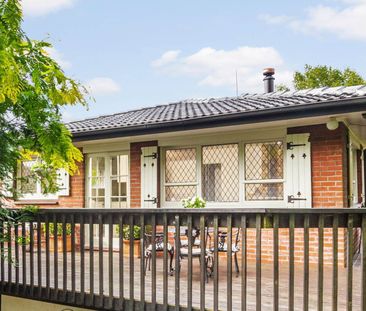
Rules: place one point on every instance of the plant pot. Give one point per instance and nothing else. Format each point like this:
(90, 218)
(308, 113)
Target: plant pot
(136, 248)
(60, 244)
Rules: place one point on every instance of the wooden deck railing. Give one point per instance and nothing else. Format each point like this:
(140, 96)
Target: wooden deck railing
(92, 268)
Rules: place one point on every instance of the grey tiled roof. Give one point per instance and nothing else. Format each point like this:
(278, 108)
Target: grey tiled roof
(211, 107)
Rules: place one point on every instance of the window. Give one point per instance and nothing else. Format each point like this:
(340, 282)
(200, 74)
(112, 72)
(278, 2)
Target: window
(230, 174)
(180, 174)
(264, 171)
(107, 181)
(31, 187)
(220, 173)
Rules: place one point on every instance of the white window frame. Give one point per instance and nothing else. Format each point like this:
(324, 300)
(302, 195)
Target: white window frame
(242, 202)
(265, 181)
(37, 195)
(107, 177)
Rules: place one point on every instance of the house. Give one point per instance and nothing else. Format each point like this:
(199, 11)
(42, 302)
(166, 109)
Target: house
(293, 149)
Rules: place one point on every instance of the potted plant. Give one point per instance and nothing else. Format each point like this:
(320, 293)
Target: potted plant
(59, 230)
(195, 202)
(136, 236)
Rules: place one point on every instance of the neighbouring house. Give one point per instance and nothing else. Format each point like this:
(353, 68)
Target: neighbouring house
(294, 149)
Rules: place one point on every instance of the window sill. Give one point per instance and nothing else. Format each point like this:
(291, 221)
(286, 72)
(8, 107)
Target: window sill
(37, 202)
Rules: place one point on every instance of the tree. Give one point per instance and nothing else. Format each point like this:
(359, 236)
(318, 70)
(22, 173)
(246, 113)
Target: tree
(33, 89)
(323, 76)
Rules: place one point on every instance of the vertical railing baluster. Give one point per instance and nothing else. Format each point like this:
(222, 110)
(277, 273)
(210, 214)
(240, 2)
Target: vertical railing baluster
(82, 259)
(24, 258)
(190, 267)
(100, 263)
(16, 245)
(350, 249)
(258, 268)
(244, 268)
(363, 263)
(320, 262)
(110, 258)
(335, 264)
(177, 263)
(229, 277)
(291, 263)
(73, 265)
(216, 263)
(47, 242)
(91, 259)
(39, 258)
(64, 257)
(306, 264)
(121, 261)
(165, 262)
(153, 271)
(31, 257)
(132, 269)
(142, 262)
(55, 256)
(10, 258)
(275, 264)
(203, 272)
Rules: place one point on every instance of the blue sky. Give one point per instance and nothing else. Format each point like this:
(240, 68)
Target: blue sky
(133, 54)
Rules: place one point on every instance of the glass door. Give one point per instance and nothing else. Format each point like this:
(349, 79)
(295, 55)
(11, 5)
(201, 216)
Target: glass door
(107, 187)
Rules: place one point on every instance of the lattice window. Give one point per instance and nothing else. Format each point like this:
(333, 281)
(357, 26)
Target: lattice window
(264, 171)
(220, 173)
(180, 174)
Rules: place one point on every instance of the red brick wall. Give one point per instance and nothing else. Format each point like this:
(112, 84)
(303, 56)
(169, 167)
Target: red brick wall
(135, 171)
(328, 165)
(267, 245)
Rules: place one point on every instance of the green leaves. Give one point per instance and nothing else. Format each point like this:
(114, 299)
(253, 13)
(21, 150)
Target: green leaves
(326, 76)
(33, 88)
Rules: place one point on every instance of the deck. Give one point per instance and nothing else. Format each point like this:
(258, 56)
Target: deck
(266, 283)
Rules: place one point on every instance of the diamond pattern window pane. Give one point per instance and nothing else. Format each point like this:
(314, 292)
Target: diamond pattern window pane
(264, 192)
(220, 173)
(180, 165)
(264, 161)
(28, 182)
(179, 193)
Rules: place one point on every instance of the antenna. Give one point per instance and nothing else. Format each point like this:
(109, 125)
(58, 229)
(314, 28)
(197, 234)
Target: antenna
(236, 82)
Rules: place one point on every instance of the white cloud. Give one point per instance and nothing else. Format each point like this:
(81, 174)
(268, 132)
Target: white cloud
(166, 58)
(102, 85)
(345, 19)
(218, 67)
(58, 57)
(42, 7)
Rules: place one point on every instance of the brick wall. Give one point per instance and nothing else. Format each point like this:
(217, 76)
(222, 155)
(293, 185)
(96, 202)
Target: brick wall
(135, 171)
(328, 165)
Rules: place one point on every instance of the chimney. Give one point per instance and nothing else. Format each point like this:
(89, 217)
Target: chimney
(268, 80)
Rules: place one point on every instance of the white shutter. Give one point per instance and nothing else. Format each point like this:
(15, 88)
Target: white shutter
(298, 171)
(6, 185)
(149, 177)
(63, 180)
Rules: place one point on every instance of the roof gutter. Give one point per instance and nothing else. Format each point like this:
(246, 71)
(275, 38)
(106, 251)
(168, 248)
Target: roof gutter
(276, 114)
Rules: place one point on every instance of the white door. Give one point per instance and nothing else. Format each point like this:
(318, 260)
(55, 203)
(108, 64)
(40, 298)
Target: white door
(149, 177)
(298, 171)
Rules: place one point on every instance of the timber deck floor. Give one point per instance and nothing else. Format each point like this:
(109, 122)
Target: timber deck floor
(266, 283)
